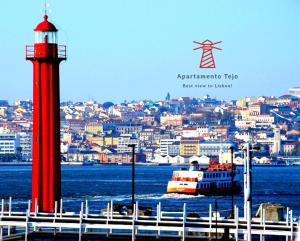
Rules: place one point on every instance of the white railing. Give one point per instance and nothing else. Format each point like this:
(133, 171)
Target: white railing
(163, 224)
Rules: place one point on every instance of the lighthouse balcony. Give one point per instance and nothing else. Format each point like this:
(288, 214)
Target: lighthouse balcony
(46, 51)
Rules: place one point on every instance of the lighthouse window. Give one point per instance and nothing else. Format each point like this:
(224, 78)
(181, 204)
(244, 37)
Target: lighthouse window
(49, 37)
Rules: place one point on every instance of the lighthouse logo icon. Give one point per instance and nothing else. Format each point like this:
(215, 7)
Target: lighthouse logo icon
(207, 59)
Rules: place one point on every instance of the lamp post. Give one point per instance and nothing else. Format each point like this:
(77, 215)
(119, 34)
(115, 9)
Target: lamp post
(133, 173)
(248, 149)
(232, 198)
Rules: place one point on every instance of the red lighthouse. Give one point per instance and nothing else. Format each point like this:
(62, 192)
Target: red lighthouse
(46, 56)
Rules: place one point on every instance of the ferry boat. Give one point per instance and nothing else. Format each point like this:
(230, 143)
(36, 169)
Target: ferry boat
(216, 179)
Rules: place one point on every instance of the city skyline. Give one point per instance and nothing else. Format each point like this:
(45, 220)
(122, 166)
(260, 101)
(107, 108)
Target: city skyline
(141, 47)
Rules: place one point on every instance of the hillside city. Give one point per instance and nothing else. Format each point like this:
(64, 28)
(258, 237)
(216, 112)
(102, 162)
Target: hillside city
(169, 131)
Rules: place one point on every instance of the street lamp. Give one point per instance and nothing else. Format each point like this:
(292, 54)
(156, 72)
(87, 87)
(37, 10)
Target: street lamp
(248, 149)
(133, 173)
(232, 198)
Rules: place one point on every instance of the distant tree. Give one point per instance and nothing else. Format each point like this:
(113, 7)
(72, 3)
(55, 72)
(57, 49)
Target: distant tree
(106, 105)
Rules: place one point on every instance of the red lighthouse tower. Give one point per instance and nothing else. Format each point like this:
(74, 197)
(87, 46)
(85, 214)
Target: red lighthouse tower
(46, 56)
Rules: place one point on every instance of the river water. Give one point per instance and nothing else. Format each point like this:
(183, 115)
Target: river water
(100, 184)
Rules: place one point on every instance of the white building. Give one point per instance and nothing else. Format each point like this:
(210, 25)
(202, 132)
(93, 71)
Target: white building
(213, 148)
(124, 140)
(276, 141)
(9, 143)
(25, 145)
(169, 147)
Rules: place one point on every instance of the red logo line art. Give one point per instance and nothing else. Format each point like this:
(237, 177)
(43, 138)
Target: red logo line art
(207, 59)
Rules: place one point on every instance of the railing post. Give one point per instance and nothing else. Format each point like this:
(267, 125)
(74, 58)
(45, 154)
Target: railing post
(292, 224)
(236, 215)
(55, 215)
(9, 214)
(60, 211)
(2, 207)
(133, 223)
(112, 209)
(86, 213)
(10, 206)
(28, 206)
(158, 219)
(1, 232)
(263, 222)
(27, 219)
(61, 207)
(183, 221)
(210, 220)
(287, 221)
(35, 207)
(86, 208)
(108, 231)
(136, 210)
(80, 222)
(2, 213)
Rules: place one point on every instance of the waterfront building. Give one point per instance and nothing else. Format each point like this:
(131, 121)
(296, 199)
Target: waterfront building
(9, 143)
(25, 140)
(189, 147)
(169, 147)
(213, 148)
(124, 140)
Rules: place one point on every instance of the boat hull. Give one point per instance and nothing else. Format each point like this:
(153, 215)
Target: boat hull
(207, 191)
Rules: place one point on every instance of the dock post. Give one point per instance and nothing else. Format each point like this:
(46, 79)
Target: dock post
(183, 221)
(210, 221)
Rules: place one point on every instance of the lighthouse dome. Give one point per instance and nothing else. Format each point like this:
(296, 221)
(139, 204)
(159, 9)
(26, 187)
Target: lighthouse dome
(45, 26)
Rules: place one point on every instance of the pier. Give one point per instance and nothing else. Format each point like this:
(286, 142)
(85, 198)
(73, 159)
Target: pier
(160, 225)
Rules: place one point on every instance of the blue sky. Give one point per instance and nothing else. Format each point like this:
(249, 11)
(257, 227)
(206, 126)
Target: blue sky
(134, 49)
